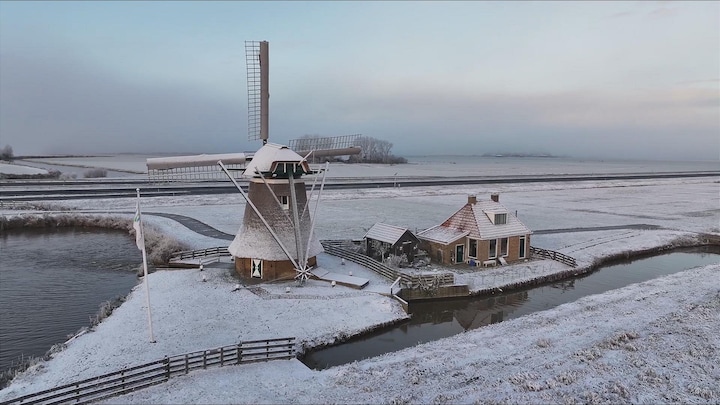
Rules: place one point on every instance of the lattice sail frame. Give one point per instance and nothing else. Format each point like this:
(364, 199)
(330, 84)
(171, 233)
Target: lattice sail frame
(257, 63)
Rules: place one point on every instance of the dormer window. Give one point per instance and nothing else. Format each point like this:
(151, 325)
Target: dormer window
(284, 202)
(498, 217)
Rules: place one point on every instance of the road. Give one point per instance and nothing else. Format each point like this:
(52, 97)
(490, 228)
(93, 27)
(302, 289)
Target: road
(16, 190)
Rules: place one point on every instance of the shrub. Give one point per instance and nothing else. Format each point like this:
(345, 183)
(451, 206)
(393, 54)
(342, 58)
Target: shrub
(95, 173)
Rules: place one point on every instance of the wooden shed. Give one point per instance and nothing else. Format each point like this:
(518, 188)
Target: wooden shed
(383, 240)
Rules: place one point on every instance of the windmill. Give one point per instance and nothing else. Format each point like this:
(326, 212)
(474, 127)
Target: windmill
(276, 238)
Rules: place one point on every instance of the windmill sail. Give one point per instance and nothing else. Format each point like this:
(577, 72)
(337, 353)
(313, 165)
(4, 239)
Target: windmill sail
(258, 71)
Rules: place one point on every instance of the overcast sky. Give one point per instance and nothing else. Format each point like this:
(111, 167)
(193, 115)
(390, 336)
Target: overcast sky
(636, 80)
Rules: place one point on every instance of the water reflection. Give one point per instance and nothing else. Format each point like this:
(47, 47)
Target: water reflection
(53, 280)
(433, 320)
(469, 314)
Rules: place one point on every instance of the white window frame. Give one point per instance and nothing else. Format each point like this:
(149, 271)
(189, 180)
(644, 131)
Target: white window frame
(507, 246)
(522, 246)
(492, 255)
(477, 245)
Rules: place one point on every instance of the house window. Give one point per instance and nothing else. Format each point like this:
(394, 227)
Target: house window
(492, 253)
(503, 247)
(500, 219)
(284, 202)
(522, 247)
(473, 248)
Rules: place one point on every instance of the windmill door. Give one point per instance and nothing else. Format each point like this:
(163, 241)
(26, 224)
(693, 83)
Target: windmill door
(257, 268)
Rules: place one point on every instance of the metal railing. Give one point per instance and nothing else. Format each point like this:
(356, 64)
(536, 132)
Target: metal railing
(156, 372)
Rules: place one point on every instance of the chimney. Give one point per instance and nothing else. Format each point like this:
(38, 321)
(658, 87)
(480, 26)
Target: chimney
(472, 199)
(495, 197)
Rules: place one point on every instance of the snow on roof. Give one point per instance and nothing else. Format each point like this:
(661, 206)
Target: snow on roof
(385, 233)
(258, 243)
(473, 219)
(442, 234)
(270, 153)
(174, 162)
(485, 227)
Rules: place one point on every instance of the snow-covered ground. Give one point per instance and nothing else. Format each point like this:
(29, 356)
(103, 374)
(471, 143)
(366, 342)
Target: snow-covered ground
(646, 343)
(655, 342)
(12, 168)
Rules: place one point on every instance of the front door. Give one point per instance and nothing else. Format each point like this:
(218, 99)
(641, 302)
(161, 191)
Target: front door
(459, 253)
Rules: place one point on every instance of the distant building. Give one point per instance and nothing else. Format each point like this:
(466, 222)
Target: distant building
(383, 240)
(481, 233)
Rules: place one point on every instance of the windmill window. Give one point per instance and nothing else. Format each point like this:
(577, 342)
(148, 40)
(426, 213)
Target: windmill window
(284, 202)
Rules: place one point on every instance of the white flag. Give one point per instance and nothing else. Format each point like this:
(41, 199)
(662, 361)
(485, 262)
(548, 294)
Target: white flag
(137, 225)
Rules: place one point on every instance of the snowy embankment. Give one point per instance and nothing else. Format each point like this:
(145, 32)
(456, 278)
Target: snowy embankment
(190, 315)
(654, 342)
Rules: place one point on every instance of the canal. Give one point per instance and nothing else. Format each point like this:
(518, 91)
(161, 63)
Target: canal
(433, 320)
(52, 282)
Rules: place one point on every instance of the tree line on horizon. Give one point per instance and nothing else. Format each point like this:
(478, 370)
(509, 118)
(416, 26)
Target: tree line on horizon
(373, 150)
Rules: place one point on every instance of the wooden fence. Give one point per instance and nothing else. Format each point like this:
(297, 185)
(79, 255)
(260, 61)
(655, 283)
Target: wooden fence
(192, 254)
(553, 255)
(338, 248)
(156, 372)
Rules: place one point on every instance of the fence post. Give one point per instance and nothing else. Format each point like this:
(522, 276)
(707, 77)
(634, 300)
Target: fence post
(222, 356)
(186, 363)
(204, 358)
(239, 353)
(167, 367)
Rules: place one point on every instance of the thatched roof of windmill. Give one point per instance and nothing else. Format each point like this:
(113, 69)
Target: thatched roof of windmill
(256, 242)
(253, 240)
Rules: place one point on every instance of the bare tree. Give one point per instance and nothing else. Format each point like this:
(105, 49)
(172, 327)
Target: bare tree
(375, 151)
(6, 153)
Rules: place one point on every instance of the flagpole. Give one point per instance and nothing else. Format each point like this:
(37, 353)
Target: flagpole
(140, 240)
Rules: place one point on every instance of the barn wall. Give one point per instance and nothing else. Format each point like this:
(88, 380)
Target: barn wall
(432, 248)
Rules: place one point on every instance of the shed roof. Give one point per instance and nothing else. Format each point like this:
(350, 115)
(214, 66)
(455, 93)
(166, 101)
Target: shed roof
(385, 233)
(442, 234)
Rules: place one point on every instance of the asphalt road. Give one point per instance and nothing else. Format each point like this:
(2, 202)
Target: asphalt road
(15, 190)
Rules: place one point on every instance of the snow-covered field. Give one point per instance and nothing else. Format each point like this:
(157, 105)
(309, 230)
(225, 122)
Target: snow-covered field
(646, 343)
(429, 166)
(11, 168)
